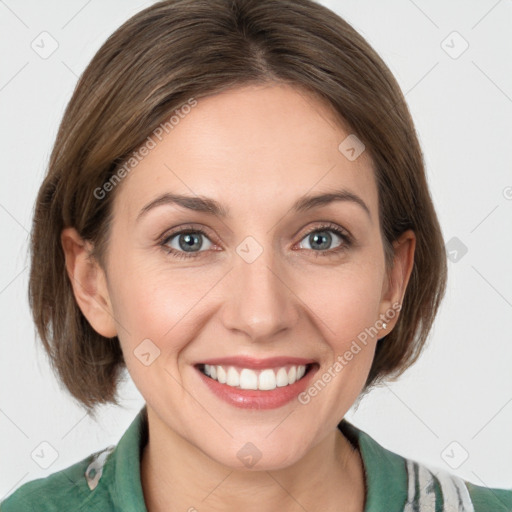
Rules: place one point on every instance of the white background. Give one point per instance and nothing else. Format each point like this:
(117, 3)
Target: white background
(460, 390)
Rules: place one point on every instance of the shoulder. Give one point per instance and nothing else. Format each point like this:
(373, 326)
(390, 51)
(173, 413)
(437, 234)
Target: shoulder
(490, 499)
(407, 485)
(68, 489)
(428, 487)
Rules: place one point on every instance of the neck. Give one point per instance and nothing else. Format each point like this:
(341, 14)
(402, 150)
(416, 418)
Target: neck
(177, 476)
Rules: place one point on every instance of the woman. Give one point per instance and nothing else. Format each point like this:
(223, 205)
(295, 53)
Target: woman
(236, 212)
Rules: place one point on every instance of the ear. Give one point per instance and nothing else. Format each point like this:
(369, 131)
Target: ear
(394, 287)
(89, 283)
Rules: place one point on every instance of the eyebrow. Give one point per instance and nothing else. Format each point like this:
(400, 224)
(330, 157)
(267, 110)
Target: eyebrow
(211, 206)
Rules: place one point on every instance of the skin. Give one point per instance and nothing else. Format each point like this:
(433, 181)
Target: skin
(255, 149)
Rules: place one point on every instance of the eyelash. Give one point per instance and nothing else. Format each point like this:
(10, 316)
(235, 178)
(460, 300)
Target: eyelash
(347, 239)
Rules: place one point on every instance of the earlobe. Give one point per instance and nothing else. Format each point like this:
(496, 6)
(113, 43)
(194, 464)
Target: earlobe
(399, 275)
(89, 283)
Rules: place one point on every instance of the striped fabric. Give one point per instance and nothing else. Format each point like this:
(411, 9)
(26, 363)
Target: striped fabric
(452, 493)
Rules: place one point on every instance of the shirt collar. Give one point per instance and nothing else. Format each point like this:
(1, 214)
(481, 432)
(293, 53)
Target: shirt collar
(385, 473)
(127, 487)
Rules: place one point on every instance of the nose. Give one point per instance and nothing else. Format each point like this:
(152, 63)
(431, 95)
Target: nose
(259, 301)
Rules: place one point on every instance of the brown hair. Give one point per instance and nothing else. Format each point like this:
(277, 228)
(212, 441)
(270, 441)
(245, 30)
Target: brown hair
(155, 62)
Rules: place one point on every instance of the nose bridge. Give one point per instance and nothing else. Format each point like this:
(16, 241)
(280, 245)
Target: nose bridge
(259, 303)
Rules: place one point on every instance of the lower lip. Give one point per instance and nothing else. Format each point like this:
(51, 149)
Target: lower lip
(257, 399)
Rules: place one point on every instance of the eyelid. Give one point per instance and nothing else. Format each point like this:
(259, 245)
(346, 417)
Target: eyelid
(346, 237)
(327, 225)
(183, 228)
(163, 240)
(203, 229)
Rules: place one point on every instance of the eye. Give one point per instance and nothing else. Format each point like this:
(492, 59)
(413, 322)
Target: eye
(320, 240)
(186, 243)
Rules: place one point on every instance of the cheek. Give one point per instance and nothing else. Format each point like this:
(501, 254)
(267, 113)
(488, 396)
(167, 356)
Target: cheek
(154, 313)
(345, 300)
(152, 301)
(348, 307)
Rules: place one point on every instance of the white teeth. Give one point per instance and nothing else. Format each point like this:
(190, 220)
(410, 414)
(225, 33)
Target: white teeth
(233, 379)
(267, 380)
(282, 378)
(292, 375)
(221, 375)
(248, 379)
(264, 380)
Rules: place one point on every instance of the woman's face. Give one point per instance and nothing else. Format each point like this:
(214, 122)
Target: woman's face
(258, 279)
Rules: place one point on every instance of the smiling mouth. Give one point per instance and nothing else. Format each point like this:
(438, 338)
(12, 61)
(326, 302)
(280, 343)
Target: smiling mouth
(265, 379)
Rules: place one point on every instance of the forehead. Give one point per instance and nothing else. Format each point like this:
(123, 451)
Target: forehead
(266, 144)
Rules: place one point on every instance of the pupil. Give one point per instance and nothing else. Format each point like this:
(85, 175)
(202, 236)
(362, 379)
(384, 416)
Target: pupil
(317, 237)
(190, 241)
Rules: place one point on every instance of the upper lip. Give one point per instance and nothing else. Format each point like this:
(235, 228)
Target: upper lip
(251, 362)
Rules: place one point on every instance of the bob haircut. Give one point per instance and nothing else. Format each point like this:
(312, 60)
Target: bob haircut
(153, 64)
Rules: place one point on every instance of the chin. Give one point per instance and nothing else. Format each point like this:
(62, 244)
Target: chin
(256, 456)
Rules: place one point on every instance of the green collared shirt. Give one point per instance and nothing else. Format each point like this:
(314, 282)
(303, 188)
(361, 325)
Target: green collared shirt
(109, 480)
